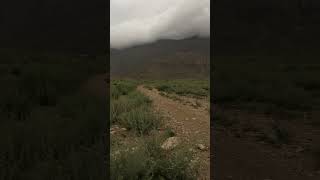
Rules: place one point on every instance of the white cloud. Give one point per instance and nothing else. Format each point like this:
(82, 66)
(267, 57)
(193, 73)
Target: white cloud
(136, 22)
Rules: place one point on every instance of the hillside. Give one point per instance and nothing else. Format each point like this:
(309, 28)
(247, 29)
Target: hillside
(165, 58)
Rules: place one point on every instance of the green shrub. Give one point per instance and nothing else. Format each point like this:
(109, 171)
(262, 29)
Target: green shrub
(141, 120)
(121, 87)
(146, 160)
(184, 87)
(126, 103)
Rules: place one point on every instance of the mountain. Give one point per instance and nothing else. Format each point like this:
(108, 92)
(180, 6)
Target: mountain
(163, 59)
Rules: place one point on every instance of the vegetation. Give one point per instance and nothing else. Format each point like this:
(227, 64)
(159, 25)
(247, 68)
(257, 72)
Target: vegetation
(146, 160)
(184, 87)
(43, 135)
(139, 156)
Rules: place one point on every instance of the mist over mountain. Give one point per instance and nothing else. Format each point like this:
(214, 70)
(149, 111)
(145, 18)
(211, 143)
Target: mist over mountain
(165, 58)
(139, 22)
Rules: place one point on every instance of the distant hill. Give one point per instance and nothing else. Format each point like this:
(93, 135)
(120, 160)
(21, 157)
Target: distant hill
(163, 59)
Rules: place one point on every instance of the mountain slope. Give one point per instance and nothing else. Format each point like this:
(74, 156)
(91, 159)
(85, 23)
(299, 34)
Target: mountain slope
(165, 58)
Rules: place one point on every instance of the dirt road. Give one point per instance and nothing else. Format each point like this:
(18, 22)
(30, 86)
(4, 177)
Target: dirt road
(191, 123)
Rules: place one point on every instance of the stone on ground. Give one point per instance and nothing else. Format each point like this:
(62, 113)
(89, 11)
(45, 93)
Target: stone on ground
(170, 143)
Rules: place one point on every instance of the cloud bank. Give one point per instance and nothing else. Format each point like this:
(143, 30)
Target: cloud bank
(134, 22)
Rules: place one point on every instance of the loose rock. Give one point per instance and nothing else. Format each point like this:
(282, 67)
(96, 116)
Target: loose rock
(170, 143)
(201, 147)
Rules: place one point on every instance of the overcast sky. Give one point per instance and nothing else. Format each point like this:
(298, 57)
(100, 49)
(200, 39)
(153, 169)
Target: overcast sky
(134, 22)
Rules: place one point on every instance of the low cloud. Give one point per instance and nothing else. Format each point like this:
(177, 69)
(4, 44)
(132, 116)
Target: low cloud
(135, 22)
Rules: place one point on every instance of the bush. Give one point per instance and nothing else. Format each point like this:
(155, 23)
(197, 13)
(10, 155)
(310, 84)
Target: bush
(121, 87)
(133, 111)
(146, 160)
(141, 120)
(184, 87)
(126, 103)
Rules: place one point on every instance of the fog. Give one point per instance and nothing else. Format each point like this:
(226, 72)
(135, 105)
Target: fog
(135, 22)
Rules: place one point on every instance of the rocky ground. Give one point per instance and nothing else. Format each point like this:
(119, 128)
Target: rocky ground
(190, 120)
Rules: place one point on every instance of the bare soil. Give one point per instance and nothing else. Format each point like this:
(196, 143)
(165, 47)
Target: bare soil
(240, 154)
(189, 120)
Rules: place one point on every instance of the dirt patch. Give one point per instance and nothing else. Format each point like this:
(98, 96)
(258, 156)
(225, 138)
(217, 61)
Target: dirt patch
(190, 123)
(241, 153)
